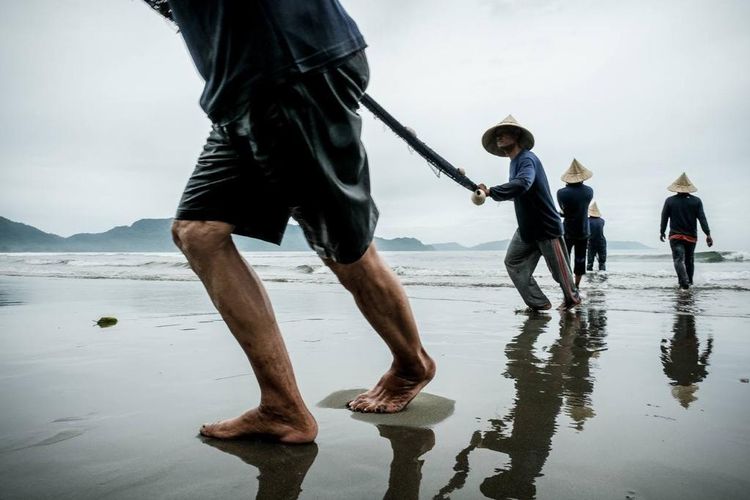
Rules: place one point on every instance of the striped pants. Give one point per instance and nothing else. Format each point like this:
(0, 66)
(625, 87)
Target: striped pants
(521, 260)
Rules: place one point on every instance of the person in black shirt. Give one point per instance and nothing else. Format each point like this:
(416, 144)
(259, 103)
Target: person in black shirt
(574, 202)
(539, 232)
(682, 211)
(283, 80)
(597, 242)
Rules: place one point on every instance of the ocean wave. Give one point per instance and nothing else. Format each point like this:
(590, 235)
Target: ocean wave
(707, 257)
(418, 271)
(437, 282)
(462, 270)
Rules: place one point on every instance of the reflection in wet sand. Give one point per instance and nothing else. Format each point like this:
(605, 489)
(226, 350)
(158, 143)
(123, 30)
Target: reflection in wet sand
(587, 336)
(542, 386)
(408, 433)
(9, 299)
(684, 363)
(282, 468)
(408, 444)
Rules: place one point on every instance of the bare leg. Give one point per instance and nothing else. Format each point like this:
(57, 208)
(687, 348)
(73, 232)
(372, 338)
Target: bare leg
(578, 279)
(240, 298)
(383, 302)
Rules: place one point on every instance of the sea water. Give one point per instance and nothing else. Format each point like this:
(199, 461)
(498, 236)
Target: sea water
(465, 269)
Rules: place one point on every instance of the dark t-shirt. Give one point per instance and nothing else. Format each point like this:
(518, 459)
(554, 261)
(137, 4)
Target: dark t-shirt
(574, 202)
(243, 46)
(596, 230)
(528, 188)
(683, 212)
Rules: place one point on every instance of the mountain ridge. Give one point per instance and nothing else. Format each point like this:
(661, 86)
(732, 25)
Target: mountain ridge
(153, 235)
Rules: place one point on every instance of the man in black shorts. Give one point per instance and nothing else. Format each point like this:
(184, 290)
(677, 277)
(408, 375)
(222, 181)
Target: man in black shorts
(574, 200)
(283, 83)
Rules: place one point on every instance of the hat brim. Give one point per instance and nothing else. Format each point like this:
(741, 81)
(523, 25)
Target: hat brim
(682, 189)
(576, 178)
(526, 140)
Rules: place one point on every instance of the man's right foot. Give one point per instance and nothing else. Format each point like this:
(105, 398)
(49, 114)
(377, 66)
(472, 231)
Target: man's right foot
(291, 428)
(569, 304)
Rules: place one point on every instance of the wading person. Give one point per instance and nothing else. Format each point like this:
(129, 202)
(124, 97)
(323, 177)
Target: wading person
(683, 211)
(574, 201)
(283, 82)
(597, 248)
(539, 231)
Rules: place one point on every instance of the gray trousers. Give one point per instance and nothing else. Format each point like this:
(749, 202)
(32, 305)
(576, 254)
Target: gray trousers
(522, 258)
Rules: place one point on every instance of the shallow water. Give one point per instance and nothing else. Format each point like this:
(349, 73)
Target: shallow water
(626, 270)
(637, 394)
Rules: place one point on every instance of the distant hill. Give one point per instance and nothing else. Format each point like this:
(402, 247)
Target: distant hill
(627, 245)
(448, 247)
(492, 245)
(14, 235)
(153, 235)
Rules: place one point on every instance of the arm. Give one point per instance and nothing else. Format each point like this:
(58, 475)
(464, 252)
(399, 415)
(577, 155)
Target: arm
(518, 185)
(664, 218)
(704, 225)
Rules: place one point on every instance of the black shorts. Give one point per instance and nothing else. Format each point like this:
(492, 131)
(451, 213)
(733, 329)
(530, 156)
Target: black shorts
(295, 153)
(578, 247)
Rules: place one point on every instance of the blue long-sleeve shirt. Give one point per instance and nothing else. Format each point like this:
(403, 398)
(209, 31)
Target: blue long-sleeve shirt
(683, 211)
(574, 202)
(596, 228)
(527, 186)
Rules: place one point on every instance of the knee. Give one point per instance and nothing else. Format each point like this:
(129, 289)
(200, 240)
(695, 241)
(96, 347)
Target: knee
(511, 265)
(368, 272)
(200, 238)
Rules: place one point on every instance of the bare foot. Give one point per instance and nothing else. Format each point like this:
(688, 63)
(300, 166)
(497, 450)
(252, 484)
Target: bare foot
(396, 388)
(565, 306)
(261, 422)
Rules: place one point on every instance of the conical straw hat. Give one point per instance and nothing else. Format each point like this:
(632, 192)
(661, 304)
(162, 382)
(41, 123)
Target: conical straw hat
(526, 141)
(576, 173)
(682, 185)
(594, 210)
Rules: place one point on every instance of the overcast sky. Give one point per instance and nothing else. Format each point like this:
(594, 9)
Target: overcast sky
(101, 124)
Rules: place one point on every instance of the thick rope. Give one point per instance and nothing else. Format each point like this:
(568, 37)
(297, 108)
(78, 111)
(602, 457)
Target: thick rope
(420, 147)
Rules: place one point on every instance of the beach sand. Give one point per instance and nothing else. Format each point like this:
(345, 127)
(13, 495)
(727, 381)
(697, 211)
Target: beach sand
(634, 395)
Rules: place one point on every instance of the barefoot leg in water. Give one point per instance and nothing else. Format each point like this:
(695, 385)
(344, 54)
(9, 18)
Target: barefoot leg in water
(383, 302)
(239, 296)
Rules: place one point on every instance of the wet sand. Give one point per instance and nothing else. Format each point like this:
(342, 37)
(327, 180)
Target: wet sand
(635, 395)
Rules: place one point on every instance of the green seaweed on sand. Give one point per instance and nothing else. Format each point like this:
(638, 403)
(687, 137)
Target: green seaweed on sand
(105, 321)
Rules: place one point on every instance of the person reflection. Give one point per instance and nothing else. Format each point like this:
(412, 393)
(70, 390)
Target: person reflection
(588, 340)
(542, 385)
(681, 357)
(408, 444)
(281, 468)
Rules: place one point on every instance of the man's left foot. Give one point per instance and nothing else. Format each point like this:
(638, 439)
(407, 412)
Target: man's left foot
(396, 388)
